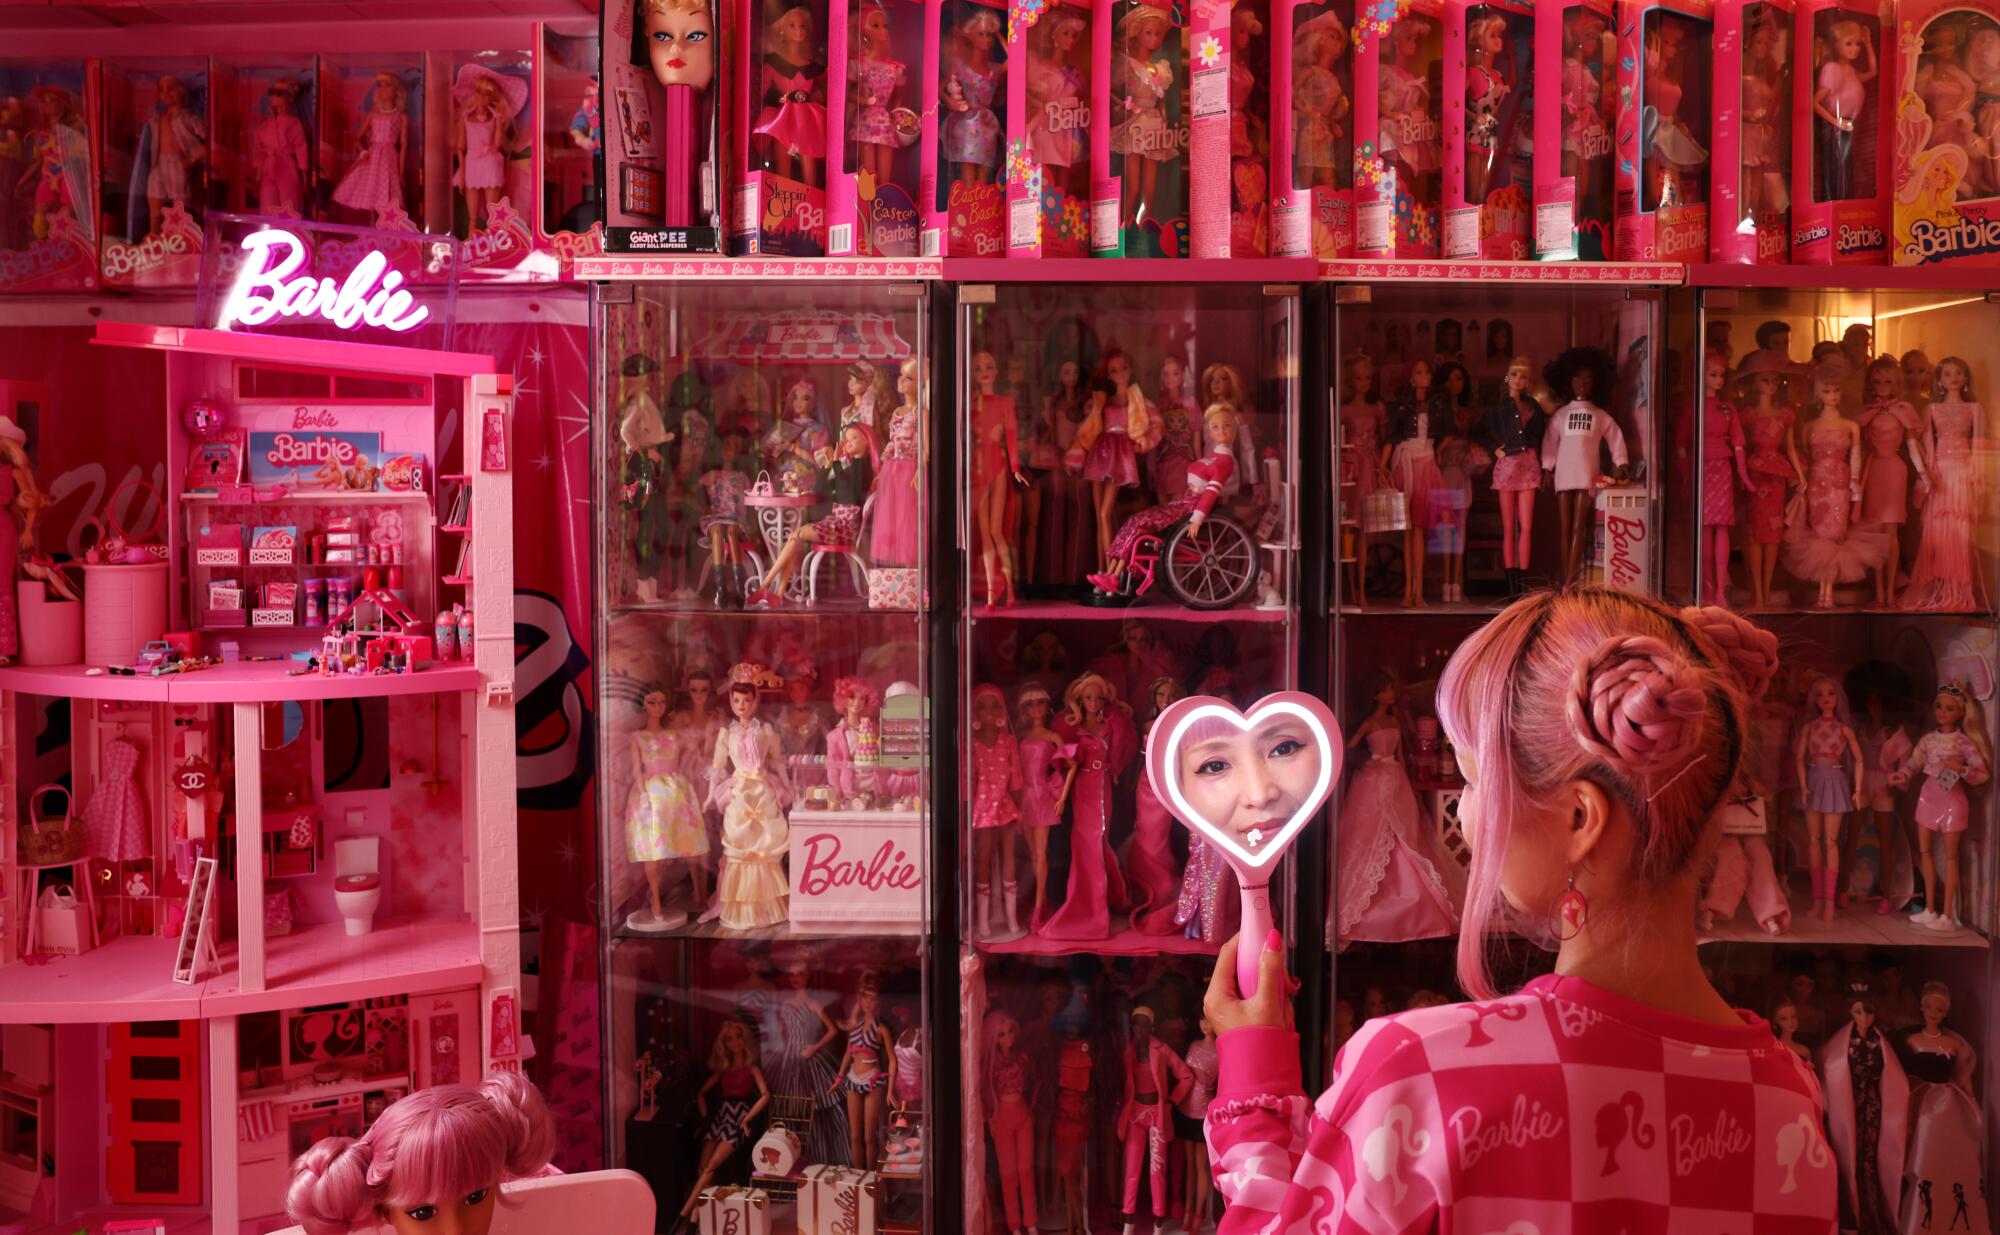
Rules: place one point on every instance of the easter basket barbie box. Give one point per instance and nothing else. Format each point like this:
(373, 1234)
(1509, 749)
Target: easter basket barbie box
(1663, 133)
(1946, 206)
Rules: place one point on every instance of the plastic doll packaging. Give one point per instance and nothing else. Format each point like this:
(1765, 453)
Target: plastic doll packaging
(263, 153)
(1573, 185)
(1489, 66)
(157, 143)
(1399, 129)
(48, 209)
(1314, 114)
(783, 113)
(372, 141)
(1048, 128)
(569, 111)
(662, 84)
(1228, 146)
(1946, 70)
(1840, 147)
(1663, 136)
(964, 134)
(1139, 120)
(872, 172)
(489, 158)
(1751, 222)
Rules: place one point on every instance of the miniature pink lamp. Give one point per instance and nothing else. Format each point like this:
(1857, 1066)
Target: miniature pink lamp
(1246, 783)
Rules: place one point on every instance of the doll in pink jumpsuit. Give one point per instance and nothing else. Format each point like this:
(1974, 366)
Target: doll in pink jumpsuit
(1007, 1087)
(279, 149)
(1155, 1082)
(996, 808)
(1046, 771)
(1101, 729)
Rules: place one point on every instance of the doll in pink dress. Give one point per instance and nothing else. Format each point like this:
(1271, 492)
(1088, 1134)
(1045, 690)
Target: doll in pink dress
(1100, 728)
(972, 80)
(1828, 547)
(1410, 135)
(996, 808)
(996, 467)
(1047, 769)
(1950, 757)
(1319, 106)
(1140, 133)
(1124, 429)
(1840, 88)
(748, 784)
(278, 153)
(1945, 577)
(1891, 429)
(1676, 157)
(1724, 463)
(895, 532)
(1765, 141)
(1057, 109)
(1389, 885)
(793, 116)
(1944, 86)
(875, 82)
(1155, 1082)
(375, 182)
(487, 104)
(1774, 468)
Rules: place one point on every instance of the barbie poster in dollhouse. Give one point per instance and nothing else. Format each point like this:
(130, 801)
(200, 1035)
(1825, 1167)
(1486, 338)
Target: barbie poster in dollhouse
(569, 213)
(48, 189)
(491, 158)
(372, 141)
(156, 143)
(1946, 158)
(263, 155)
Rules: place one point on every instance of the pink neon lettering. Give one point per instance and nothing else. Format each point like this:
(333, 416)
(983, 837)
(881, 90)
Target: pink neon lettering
(264, 289)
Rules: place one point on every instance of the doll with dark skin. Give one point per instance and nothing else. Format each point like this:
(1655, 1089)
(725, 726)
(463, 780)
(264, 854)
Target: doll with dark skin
(1570, 445)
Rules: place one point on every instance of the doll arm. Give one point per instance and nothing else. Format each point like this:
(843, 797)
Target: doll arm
(840, 1073)
(1183, 1079)
(1551, 443)
(1868, 53)
(1015, 781)
(1975, 763)
(1799, 757)
(1860, 762)
(1854, 460)
(763, 1095)
(1820, 109)
(1913, 441)
(1792, 453)
(1903, 774)
(832, 1031)
(1614, 437)
(701, 1097)
(1963, 1063)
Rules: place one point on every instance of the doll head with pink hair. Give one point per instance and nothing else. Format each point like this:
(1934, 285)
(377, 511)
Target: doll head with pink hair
(852, 692)
(447, 1148)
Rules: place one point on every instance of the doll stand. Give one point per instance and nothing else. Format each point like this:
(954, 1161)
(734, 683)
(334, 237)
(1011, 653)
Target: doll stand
(643, 922)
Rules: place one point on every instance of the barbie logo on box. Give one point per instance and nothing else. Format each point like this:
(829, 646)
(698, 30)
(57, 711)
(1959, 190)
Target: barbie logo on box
(856, 869)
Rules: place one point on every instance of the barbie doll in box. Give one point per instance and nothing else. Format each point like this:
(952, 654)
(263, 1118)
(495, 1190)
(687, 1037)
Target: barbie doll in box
(375, 182)
(1246, 131)
(1485, 89)
(663, 821)
(278, 153)
(740, 1094)
(793, 118)
(1047, 770)
(996, 466)
(875, 81)
(996, 808)
(1058, 112)
(1390, 888)
(1677, 158)
(21, 506)
(1765, 141)
(973, 78)
(1007, 1092)
(1514, 428)
(1950, 757)
(487, 104)
(1943, 1165)
(435, 1159)
(1828, 547)
(896, 531)
(1417, 422)
(1945, 576)
(1319, 105)
(1867, 1113)
(747, 783)
(1840, 88)
(1831, 770)
(1570, 444)
(1892, 429)
(177, 141)
(1100, 728)
(1946, 90)
(866, 1072)
(1141, 132)
(680, 48)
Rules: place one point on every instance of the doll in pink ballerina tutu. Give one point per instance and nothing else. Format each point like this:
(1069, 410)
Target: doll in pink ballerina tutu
(278, 153)
(1388, 867)
(875, 82)
(1945, 577)
(375, 182)
(1892, 430)
(973, 78)
(793, 117)
(1949, 757)
(487, 104)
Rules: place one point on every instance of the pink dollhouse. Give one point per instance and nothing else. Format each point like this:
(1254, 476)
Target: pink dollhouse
(298, 890)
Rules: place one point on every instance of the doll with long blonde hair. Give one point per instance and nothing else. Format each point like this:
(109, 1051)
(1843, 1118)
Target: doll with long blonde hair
(1100, 727)
(375, 182)
(793, 119)
(895, 534)
(21, 505)
(741, 1094)
(1950, 757)
(482, 135)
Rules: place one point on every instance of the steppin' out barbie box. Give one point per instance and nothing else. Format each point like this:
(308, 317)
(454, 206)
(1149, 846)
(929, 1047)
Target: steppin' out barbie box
(1750, 220)
(1662, 170)
(1313, 119)
(1946, 203)
(1840, 145)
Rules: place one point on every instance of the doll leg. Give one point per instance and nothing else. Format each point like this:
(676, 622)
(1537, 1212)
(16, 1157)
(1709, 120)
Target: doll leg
(1070, 1170)
(1719, 564)
(1952, 910)
(653, 887)
(1413, 558)
(1509, 533)
(1770, 570)
(713, 1155)
(1105, 494)
(1927, 863)
(1156, 1166)
(1033, 532)
(1135, 1166)
(1885, 574)
(1038, 861)
(1726, 885)
(697, 880)
(1149, 173)
(857, 1127)
(1815, 847)
(1013, 1131)
(982, 880)
(1195, 1215)
(1885, 839)
(1009, 889)
(1766, 894)
(1129, 185)
(1849, 842)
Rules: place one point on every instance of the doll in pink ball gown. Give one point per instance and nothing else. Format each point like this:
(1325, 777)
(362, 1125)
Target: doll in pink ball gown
(1100, 727)
(1828, 547)
(1390, 888)
(1944, 577)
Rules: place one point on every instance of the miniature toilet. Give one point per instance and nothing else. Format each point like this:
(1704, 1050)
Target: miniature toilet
(357, 881)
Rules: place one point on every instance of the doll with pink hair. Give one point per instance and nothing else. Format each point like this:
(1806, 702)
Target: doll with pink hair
(857, 701)
(996, 809)
(1831, 770)
(1950, 757)
(1007, 1091)
(437, 1153)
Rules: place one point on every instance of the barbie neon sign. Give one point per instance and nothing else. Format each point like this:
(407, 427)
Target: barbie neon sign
(268, 286)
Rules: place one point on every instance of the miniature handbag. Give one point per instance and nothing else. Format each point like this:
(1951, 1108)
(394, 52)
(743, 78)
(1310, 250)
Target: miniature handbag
(50, 839)
(1385, 510)
(761, 487)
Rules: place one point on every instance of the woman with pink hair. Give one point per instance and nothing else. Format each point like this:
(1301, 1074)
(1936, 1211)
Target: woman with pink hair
(444, 1150)
(1597, 732)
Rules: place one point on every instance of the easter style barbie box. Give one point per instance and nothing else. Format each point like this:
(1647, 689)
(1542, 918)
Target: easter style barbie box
(1947, 185)
(1573, 126)
(1840, 145)
(44, 127)
(1228, 140)
(1313, 117)
(963, 187)
(1139, 119)
(782, 109)
(1662, 168)
(1398, 128)
(1489, 66)
(155, 135)
(1750, 220)
(872, 179)
(569, 141)
(1049, 83)
(664, 74)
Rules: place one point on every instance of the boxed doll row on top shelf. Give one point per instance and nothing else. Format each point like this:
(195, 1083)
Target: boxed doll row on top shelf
(109, 167)
(1833, 132)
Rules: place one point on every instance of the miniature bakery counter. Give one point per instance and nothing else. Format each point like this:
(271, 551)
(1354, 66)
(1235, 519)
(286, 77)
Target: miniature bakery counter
(241, 682)
(312, 965)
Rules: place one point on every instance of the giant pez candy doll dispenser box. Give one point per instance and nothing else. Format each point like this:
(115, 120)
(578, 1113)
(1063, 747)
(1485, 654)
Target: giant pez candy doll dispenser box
(965, 129)
(662, 86)
(1313, 118)
(872, 181)
(1048, 128)
(48, 239)
(1573, 185)
(1947, 178)
(1663, 129)
(1489, 64)
(1750, 221)
(1840, 146)
(1399, 129)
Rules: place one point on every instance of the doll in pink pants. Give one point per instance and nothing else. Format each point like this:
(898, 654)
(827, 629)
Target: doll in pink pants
(1743, 867)
(1007, 1091)
(1155, 1082)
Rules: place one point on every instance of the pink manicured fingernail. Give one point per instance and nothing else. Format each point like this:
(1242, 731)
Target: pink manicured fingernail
(1274, 942)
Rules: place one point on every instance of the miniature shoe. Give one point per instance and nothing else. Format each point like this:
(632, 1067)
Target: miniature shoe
(1882, 905)
(1923, 917)
(1107, 584)
(1943, 926)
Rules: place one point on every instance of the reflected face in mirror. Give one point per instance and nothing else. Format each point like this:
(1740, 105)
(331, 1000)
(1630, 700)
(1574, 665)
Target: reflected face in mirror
(1249, 783)
(680, 43)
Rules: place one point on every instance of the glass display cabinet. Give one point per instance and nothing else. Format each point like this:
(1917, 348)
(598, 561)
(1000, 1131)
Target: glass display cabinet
(1094, 423)
(761, 503)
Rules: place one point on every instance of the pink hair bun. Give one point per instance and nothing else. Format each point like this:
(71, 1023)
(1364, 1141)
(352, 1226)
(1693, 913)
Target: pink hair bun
(1752, 652)
(1637, 704)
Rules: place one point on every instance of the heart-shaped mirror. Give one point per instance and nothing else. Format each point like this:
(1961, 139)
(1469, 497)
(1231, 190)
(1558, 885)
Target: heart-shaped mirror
(1246, 782)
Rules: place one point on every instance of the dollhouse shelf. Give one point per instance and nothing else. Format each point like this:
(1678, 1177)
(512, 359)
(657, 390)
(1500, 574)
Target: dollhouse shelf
(1130, 270)
(697, 268)
(782, 932)
(1373, 270)
(709, 613)
(1847, 278)
(251, 682)
(1059, 610)
(338, 497)
(312, 965)
(277, 349)
(1857, 925)
(1124, 943)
